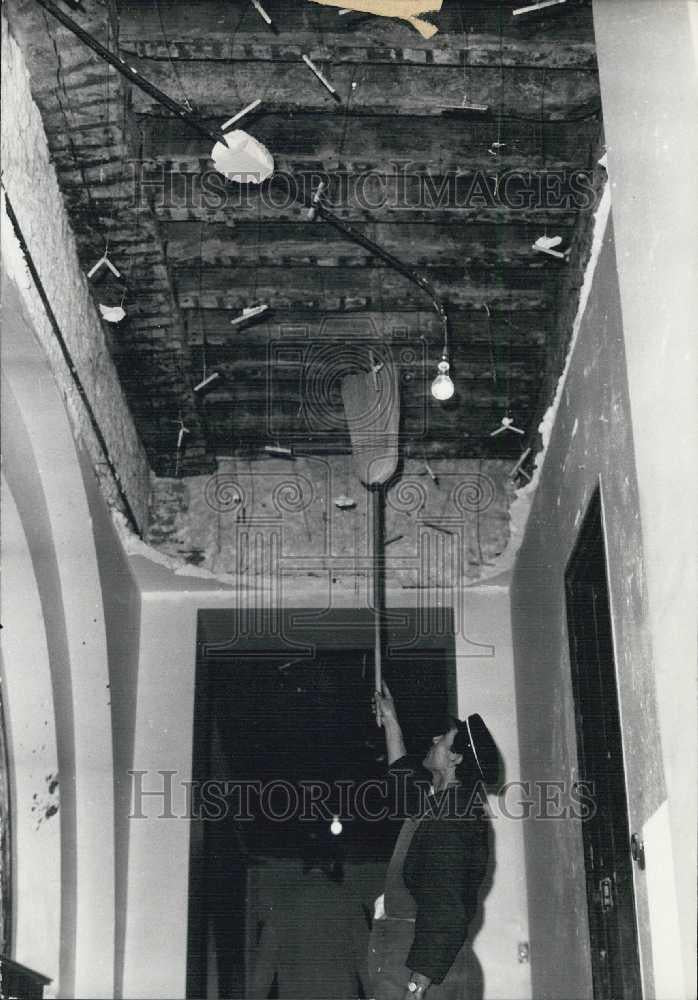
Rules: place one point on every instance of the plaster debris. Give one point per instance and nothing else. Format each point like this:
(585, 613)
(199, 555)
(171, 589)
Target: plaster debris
(430, 472)
(206, 382)
(344, 502)
(507, 424)
(545, 244)
(180, 436)
(112, 314)
(518, 469)
(249, 313)
(104, 261)
(241, 114)
(438, 527)
(541, 5)
(265, 17)
(277, 449)
(404, 10)
(390, 541)
(321, 77)
(242, 158)
(466, 107)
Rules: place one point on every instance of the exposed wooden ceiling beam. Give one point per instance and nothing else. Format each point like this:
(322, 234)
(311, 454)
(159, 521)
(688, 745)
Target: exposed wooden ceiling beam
(144, 343)
(467, 327)
(488, 32)
(293, 244)
(484, 52)
(216, 90)
(110, 209)
(383, 142)
(336, 288)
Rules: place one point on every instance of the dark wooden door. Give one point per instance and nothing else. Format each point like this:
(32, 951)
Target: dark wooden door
(610, 895)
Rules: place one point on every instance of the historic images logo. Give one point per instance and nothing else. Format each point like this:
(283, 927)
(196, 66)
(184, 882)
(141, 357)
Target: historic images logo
(159, 795)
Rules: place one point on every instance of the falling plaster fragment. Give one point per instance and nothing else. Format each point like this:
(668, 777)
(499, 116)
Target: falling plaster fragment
(242, 158)
(404, 10)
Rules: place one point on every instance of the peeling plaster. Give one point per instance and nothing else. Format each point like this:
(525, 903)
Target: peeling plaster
(521, 506)
(193, 536)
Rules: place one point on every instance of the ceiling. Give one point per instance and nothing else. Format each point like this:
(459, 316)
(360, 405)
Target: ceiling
(194, 249)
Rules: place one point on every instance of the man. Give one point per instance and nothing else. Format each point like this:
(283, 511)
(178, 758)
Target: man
(438, 864)
(314, 937)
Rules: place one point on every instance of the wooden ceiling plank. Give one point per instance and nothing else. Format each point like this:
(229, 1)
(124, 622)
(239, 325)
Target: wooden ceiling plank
(221, 29)
(462, 199)
(467, 326)
(483, 51)
(377, 141)
(284, 244)
(357, 288)
(216, 89)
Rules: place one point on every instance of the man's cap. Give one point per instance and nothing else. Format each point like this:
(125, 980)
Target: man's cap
(479, 742)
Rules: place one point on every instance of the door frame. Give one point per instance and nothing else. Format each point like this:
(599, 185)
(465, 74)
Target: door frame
(301, 631)
(591, 539)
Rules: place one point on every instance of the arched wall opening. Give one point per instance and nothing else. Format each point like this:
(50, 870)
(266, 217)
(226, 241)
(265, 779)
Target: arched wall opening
(56, 682)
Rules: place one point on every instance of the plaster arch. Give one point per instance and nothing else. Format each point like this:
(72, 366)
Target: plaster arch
(56, 558)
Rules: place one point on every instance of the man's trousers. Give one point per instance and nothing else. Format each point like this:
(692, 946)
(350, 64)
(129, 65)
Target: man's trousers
(391, 940)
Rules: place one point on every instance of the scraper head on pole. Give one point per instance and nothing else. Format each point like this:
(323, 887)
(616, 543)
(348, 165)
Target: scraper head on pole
(372, 408)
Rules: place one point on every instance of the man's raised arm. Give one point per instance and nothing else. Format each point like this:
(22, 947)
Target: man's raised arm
(385, 710)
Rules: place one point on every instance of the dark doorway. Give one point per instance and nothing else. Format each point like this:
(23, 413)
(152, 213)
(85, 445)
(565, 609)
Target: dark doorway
(609, 877)
(282, 710)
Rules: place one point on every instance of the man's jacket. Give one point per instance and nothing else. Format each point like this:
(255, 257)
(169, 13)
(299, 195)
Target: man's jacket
(314, 940)
(443, 867)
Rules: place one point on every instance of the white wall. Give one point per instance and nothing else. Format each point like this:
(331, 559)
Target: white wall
(648, 64)
(486, 685)
(590, 444)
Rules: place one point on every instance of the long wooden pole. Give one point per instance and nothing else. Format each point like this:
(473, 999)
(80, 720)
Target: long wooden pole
(378, 591)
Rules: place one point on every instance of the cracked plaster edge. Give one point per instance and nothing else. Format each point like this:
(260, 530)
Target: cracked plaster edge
(135, 546)
(497, 575)
(523, 501)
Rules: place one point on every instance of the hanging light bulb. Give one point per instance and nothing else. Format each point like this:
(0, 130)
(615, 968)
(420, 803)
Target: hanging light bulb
(335, 826)
(442, 387)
